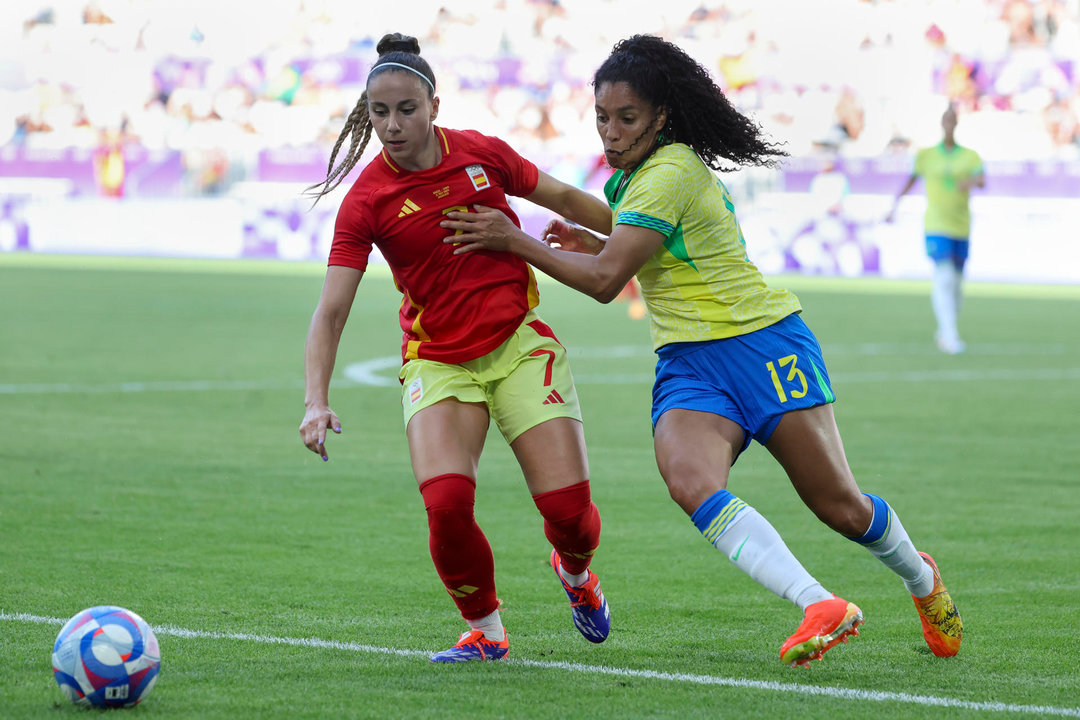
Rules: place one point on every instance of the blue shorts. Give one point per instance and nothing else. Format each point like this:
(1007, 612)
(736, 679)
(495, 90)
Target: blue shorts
(941, 248)
(750, 379)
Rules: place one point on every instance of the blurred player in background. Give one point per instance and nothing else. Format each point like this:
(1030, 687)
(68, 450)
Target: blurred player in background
(736, 362)
(474, 348)
(110, 167)
(635, 304)
(949, 172)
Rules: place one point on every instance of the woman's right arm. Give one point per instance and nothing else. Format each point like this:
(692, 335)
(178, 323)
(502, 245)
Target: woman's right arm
(320, 352)
(903, 191)
(601, 275)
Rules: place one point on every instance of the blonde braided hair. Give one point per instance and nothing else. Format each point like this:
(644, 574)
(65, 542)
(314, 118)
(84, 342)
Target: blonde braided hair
(358, 129)
(395, 51)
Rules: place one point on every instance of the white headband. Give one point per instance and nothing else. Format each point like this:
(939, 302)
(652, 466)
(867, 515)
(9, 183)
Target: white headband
(410, 69)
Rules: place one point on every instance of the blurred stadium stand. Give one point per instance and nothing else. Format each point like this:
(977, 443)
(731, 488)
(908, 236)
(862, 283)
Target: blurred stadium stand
(108, 105)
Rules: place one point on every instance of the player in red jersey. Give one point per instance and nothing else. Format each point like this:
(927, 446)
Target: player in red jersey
(473, 346)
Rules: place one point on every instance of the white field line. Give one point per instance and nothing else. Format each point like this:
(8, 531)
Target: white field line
(148, 386)
(715, 680)
(369, 376)
(901, 376)
(839, 349)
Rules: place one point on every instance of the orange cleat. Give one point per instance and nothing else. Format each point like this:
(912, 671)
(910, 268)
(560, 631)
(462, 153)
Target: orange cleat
(825, 624)
(942, 627)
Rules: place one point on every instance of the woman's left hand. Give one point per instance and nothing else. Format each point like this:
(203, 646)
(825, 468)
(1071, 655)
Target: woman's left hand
(485, 228)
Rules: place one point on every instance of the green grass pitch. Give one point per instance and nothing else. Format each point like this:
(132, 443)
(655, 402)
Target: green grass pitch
(149, 458)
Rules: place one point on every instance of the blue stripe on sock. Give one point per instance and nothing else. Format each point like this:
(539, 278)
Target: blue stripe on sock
(879, 525)
(714, 515)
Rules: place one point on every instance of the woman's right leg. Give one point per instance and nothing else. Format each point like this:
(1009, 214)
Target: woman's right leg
(694, 451)
(445, 442)
(945, 299)
(553, 459)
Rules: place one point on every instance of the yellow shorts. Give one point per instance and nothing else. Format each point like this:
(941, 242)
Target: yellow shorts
(524, 382)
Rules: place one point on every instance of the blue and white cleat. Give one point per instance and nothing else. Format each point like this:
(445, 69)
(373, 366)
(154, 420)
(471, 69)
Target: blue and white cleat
(472, 645)
(588, 607)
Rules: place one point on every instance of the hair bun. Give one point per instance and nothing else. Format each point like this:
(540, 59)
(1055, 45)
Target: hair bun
(396, 42)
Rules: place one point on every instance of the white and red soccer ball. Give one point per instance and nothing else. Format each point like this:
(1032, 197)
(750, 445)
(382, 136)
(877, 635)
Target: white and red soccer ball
(106, 657)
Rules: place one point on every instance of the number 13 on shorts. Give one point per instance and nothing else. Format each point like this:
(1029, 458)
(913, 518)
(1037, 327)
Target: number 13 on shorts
(794, 375)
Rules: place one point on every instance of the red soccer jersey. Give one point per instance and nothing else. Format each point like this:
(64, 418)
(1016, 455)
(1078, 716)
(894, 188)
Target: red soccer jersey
(456, 307)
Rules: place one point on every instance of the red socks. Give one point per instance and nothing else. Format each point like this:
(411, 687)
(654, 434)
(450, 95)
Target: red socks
(571, 524)
(461, 553)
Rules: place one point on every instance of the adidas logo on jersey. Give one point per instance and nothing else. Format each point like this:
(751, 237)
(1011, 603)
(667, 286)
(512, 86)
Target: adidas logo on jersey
(408, 208)
(554, 398)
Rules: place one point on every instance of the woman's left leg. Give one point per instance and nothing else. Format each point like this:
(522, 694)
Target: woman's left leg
(534, 404)
(553, 459)
(808, 446)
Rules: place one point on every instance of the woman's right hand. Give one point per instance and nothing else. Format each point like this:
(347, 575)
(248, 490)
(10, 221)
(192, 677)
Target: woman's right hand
(565, 236)
(317, 419)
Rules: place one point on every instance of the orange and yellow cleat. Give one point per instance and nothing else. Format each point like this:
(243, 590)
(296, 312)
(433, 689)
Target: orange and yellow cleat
(942, 627)
(825, 624)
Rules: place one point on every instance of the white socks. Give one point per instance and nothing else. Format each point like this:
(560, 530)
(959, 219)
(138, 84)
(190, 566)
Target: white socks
(753, 545)
(491, 625)
(888, 541)
(574, 580)
(945, 298)
(756, 548)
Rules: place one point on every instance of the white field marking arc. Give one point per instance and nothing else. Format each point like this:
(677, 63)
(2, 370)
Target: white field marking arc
(366, 373)
(715, 680)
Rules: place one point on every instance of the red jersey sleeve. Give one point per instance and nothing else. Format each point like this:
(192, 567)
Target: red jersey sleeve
(521, 176)
(353, 236)
(455, 308)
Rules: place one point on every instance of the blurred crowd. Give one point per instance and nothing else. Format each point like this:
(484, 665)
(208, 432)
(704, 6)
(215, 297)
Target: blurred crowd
(222, 82)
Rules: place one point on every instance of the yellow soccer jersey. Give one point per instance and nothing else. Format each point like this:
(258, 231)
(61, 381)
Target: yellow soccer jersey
(699, 285)
(947, 210)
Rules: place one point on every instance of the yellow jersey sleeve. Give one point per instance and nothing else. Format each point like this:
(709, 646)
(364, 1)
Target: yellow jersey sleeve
(699, 285)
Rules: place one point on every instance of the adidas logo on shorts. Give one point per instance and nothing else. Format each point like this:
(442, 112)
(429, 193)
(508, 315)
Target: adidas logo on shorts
(554, 398)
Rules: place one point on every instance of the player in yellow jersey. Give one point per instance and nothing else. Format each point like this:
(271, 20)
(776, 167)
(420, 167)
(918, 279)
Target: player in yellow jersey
(735, 360)
(949, 172)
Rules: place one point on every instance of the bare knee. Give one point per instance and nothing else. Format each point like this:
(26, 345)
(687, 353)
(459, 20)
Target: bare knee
(684, 495)
(849, 514)
(694, 451)
(689, 485)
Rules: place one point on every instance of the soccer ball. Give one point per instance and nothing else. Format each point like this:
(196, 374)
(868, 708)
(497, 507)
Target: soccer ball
(106, 657)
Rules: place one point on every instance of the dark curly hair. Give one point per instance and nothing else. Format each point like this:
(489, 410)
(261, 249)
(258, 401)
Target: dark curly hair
(392, 48)
(698, 113)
